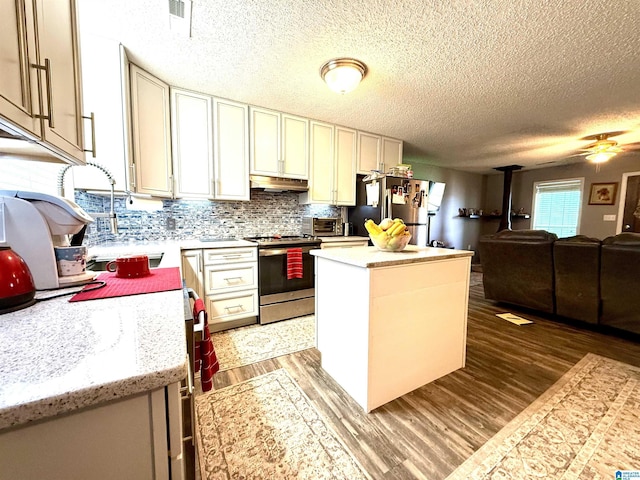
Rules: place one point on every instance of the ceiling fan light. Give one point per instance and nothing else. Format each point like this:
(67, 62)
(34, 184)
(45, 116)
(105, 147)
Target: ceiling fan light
(343, 75)
(600, 157)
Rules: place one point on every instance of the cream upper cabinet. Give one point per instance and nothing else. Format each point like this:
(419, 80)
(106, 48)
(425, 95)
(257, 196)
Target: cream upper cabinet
(295, 146)
(332, 164)
(391, 152)
(279, 144)
(321, 144)
(345, 166)
(18, 82)
(369, 152)
(59, 44)
(231, 150)
(151, 137)
(192, 143)
(103, 95)
(41, 85)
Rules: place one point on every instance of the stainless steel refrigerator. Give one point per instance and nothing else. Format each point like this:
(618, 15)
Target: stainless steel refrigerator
(413, 200)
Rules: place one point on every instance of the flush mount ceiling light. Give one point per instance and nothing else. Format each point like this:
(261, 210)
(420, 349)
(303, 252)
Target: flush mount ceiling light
(343, 75)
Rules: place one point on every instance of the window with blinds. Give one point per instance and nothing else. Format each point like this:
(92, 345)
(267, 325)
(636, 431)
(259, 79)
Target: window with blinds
(557, 205)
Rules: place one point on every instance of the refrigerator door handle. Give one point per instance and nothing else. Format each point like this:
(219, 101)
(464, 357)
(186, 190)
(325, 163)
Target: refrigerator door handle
(386, 205)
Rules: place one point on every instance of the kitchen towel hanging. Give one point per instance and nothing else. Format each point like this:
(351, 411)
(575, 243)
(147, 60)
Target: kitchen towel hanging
(294, 263)
(205, 360)
(159, 280)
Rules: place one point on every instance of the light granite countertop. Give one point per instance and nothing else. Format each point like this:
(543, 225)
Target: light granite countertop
(371, 257)
(58, 357)
(338, 238)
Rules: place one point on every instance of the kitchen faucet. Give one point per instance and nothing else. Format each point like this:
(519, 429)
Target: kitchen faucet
(113, 221)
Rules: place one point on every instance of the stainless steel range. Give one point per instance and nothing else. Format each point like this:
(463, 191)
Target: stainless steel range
(281, 297)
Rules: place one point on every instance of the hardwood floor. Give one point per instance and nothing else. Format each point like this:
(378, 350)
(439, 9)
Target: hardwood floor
(429, 432)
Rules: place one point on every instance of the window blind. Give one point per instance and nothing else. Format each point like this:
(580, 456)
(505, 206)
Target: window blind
(557, 206)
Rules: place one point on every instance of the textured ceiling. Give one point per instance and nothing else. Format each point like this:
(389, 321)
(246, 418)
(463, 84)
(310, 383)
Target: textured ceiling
(467, 84)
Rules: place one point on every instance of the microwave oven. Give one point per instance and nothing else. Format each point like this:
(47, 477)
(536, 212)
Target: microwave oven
(321, 227)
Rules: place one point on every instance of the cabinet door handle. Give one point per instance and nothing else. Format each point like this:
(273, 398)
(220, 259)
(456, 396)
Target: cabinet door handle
(236, 307)
(132, 176)
(47, 74)
(92, 117)
(233, 279)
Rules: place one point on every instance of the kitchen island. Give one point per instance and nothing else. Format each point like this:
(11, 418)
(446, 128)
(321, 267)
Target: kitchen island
(390, 322)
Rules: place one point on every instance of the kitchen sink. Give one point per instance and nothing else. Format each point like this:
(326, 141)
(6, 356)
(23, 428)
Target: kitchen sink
(99, 263)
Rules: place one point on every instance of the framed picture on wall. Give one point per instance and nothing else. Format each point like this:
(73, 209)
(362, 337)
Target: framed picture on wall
(603, 193)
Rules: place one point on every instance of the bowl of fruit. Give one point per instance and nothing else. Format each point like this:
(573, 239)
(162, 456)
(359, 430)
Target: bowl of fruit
(390, 235)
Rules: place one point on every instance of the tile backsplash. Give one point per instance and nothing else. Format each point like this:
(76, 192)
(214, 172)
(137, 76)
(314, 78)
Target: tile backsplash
(266, 214)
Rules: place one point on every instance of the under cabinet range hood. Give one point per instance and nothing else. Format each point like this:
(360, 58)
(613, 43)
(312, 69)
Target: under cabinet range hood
(277, 184)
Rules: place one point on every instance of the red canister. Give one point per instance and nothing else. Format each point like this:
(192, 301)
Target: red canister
(17, 289)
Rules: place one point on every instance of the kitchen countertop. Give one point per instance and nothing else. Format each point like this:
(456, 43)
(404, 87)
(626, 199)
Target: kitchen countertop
(371, 257)
(58, 357)
(340, 238)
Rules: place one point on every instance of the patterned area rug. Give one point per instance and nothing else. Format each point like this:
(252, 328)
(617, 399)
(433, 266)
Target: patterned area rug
(267, 428)
(586, 426)
(247, 345)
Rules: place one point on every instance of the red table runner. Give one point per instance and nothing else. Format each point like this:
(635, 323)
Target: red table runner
(160, 280)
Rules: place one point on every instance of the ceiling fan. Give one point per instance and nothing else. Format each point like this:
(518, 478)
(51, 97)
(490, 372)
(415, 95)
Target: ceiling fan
(603, 148)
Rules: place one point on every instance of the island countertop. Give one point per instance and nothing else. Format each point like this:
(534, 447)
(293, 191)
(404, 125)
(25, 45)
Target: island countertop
(371, 257)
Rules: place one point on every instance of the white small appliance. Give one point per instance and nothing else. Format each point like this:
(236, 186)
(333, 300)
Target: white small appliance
(34, 224)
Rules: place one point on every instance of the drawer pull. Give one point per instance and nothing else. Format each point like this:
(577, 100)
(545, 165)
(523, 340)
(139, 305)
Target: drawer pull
(238, 308)
(233, 280)
(232, 255)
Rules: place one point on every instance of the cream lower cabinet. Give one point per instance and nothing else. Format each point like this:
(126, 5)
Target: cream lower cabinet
(332, 165)
(279, 144)
(137, 438)
(150, 167)
(41, 85)
(228, 280)
(192, 270)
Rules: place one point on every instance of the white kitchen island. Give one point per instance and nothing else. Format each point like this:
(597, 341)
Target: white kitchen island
(390, 322)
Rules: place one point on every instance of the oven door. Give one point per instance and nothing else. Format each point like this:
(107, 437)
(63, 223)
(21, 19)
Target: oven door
(272, 268)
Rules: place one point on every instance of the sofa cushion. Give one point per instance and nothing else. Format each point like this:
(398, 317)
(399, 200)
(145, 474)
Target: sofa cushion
(517, 268)
(620, 282)
(576, 263)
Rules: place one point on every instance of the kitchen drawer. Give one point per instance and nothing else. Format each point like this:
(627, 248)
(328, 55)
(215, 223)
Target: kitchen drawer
(213, 256)
(230, 277)
(226, 307)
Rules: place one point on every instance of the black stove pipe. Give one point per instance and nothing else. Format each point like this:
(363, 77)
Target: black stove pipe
(505, 218)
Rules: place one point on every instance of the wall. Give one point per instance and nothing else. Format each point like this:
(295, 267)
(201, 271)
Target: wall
(462, 190)
(591, 221)
(265, 214)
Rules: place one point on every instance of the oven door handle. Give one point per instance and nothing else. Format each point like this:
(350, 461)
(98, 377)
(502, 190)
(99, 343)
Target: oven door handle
(271, 252)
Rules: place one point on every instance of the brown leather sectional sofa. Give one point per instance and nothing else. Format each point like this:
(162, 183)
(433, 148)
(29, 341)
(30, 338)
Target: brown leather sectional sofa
(579, 278)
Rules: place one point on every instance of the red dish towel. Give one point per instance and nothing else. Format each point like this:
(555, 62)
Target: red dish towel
(205, 355)
(294, 263)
